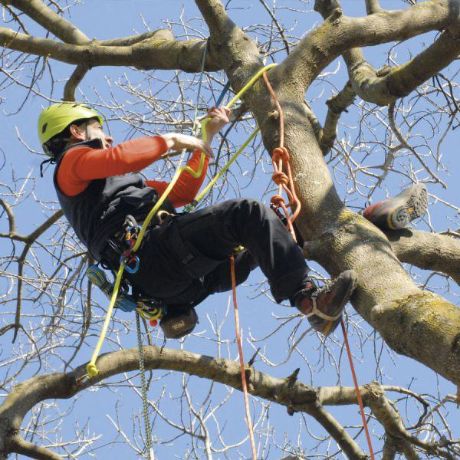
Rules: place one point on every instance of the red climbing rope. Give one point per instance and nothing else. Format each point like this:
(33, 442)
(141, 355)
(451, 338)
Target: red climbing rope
(282, 177)
(357, 391)
(241, 356)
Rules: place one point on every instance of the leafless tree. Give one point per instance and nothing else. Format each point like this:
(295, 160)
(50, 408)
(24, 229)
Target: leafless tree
(382, 126)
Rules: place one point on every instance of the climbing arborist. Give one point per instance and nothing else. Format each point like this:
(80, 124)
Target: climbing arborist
(183, 257)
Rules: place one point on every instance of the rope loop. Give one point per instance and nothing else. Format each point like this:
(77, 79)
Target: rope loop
(280, 153)
(280, 178)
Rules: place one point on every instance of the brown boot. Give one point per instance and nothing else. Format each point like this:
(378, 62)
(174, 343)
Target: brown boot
(324, 306)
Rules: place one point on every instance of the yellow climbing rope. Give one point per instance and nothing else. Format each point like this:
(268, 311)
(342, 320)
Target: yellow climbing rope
(91, 367)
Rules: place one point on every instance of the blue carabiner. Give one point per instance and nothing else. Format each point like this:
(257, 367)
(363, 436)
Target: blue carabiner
(128, 267)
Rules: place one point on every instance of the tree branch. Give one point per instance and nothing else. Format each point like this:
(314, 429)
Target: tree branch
(294, 395)
(50, 20)
(429, 251)
(413, 322)
(277, 25)
(19, 445)
(403, 141)
(75, 79)
(235, 52)
(160, 34)
(340, 33)
(11, 219)
(383, 88)
(330, 424)
(216, 17)
(400, 81)
(29, 240)
(148, 54)
(337, 105)
(373, 6)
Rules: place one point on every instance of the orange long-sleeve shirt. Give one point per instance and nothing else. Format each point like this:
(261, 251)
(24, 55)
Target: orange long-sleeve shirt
(82, 164)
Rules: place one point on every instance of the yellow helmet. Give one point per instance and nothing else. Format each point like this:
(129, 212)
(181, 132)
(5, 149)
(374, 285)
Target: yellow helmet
(55, 118)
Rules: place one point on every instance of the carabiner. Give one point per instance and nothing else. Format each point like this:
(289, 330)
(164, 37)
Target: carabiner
(128, 264)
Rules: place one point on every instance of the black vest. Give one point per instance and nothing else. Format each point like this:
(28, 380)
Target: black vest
(98, 212)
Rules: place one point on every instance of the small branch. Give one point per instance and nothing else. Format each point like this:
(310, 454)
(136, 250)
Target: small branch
(45, 226)
(336, 430)
(277, 25)
(15, 16)
(403, 141)
(373, 6)
(11, 219)
(29, 241)
(337, 105)
(74, 80)
(326, 7)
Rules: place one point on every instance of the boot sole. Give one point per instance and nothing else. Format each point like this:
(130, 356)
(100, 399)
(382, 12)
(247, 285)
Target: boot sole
(416, 204)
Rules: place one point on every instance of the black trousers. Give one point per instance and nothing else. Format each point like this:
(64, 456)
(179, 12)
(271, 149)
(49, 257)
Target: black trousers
(187, 258)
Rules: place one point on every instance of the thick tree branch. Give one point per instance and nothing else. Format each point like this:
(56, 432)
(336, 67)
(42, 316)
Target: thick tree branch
(340, 33)
(216, 18)
(235, 52)
(413, 322)
(400, 81)
(429, 251)
(294, 395)
(160, 34)
(384, 88)
(19, 445)
(289, 392)
(148, 54)
(50, 20)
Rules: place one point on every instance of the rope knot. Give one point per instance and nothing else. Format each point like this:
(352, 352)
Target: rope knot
(280, 153)
(280, 178)
(277, 201)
